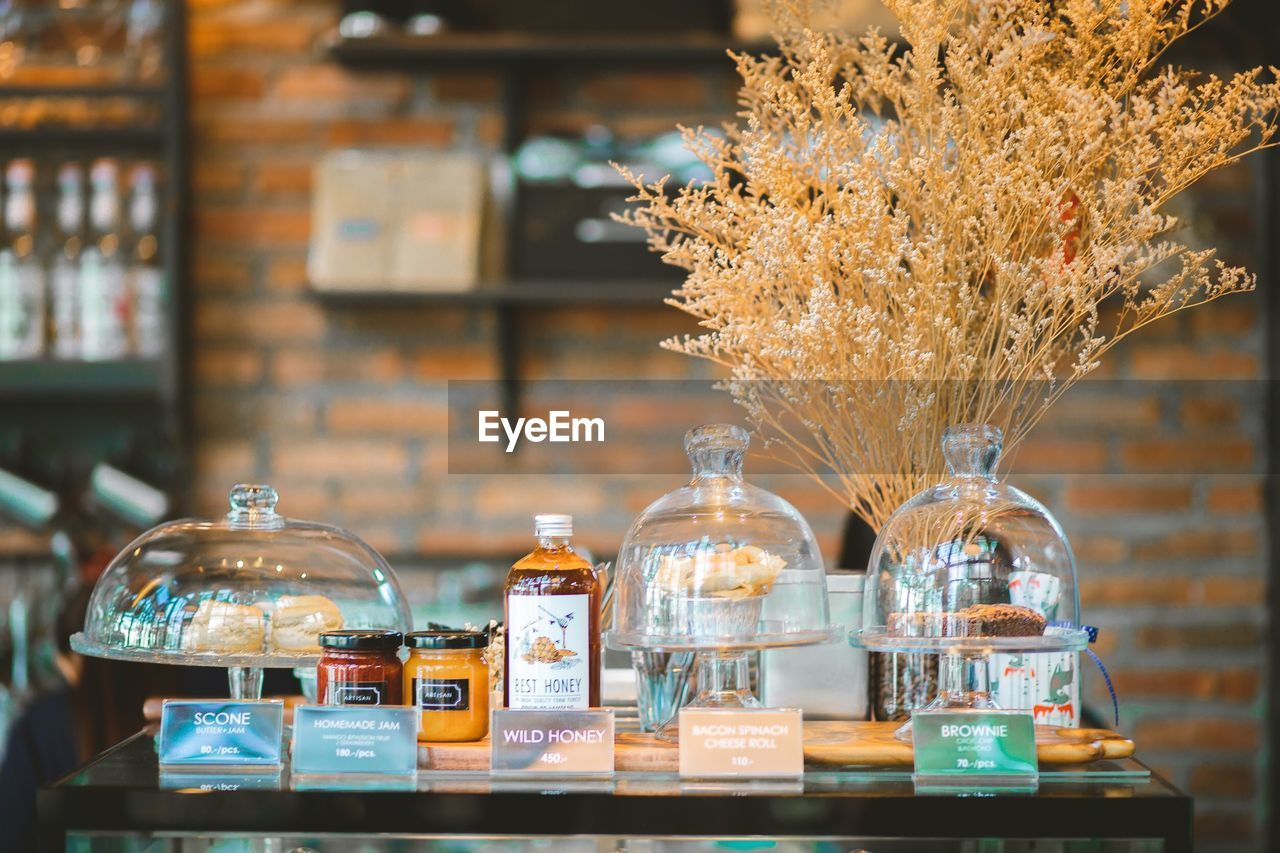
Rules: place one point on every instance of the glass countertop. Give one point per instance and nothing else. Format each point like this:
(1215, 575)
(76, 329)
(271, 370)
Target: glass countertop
(124, 790)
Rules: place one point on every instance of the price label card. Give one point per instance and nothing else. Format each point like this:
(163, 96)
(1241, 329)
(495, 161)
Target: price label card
(224, 733)
(764, 743)
(553, 743)
(975, 749)
(331, 739)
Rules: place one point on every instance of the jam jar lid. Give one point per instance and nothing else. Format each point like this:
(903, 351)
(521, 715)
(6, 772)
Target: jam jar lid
(447, 640)
(362, 641)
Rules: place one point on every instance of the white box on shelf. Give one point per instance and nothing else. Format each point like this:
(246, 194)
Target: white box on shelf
(827, 681)
(351, 213)
(397, 221)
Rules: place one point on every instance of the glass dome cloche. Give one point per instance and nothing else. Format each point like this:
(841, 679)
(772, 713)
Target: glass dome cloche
(249, 590)
(719, 567)
(969, 567)
(971, 563)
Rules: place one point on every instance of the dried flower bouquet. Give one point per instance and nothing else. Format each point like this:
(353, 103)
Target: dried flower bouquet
(897, 239)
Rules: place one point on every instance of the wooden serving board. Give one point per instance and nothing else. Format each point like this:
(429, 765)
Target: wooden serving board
(838, 744)
(826, 744)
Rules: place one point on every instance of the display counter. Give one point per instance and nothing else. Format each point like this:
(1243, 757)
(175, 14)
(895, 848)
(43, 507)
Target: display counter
(122, 792)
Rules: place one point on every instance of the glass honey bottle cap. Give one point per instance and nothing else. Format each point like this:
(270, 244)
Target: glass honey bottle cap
(552, 524)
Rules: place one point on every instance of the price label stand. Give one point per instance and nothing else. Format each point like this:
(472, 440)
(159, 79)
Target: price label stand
(199, 735)
(370, 740)
(978, 751)
(741, 743)
(553, 743)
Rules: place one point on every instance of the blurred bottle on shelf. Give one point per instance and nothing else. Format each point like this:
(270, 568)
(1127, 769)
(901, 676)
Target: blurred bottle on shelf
(90, 30)
(429, 17)
(13, 36)
(64, 266)
(21, 276)
(368, 18)
(82, 293)
(144, 42)
(83, 41)
(104, 302)
(146, 276)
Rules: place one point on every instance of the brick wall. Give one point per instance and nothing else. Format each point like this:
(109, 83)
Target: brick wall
(344, 410)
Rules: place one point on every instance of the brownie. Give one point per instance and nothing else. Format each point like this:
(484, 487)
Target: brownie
(978, 620)
(1002, 620)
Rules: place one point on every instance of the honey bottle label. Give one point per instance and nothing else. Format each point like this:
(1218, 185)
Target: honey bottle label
(548, 651)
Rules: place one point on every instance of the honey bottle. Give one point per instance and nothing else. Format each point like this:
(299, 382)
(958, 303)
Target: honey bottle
(552, 610)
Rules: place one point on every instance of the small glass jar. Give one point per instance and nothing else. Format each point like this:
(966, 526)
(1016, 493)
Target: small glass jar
(447, 679)
(360, 668)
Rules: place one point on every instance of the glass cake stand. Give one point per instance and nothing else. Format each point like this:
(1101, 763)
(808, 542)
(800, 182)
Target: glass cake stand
(248, 591)
(721, 568)
(967, 568)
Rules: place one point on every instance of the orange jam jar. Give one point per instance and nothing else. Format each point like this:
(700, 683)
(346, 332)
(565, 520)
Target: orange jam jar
(447, 680)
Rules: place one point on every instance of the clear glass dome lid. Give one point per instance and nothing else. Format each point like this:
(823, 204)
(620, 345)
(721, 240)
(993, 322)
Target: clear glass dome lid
(719, 563)
(971, 563)
(251, 589)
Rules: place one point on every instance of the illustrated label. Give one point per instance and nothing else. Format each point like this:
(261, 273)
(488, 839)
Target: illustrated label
(716, 742)
(355, 693)
(547, 653)
(443, 694)
(1043, 683)
(225, 733)
(353, 739)
(967, 745)
(556, 743)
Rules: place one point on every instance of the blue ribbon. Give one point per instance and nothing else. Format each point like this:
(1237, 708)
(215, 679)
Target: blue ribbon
(1115, 703)
(1106, 676)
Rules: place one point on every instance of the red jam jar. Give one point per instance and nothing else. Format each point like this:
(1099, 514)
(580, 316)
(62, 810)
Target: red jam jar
(360, 668)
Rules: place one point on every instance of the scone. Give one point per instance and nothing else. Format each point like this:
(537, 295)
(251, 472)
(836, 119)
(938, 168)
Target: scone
(298, 620)
(220, 626)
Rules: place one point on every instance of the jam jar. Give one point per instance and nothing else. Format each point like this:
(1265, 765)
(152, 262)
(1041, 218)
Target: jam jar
(447, 679)
(360, 668)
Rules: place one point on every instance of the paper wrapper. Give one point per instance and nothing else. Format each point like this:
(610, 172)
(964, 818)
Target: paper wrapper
(1047, 684)
(1037, 590)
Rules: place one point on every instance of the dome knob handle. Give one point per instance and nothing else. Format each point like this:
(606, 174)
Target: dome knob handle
(253, 504)
(972, 450)
(716, 450)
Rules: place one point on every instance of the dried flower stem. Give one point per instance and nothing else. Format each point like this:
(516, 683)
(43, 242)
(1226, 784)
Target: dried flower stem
(896, 241)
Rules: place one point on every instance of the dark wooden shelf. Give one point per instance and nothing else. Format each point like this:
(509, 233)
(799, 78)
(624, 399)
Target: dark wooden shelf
(84, 137)
(62, 379)
(147, 91)
(530, 293)
(506, 49)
